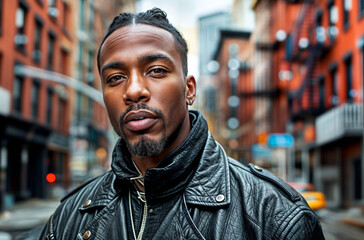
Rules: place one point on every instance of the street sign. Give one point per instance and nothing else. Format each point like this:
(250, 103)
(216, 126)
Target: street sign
(261, 151)
(284, 140)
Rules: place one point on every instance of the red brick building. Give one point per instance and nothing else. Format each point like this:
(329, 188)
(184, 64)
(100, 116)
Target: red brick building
(232, 80)
(51, 113)
(306, 63)
(324, 52)
(35, 119)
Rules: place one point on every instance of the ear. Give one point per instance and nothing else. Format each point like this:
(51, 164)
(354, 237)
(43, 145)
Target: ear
(190, 90)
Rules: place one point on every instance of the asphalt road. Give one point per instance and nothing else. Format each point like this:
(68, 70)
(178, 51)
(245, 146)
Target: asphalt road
(335, 229)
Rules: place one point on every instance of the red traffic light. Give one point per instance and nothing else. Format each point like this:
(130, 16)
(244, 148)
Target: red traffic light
(51, 177)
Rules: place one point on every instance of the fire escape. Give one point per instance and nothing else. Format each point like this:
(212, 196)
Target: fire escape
(305, 50)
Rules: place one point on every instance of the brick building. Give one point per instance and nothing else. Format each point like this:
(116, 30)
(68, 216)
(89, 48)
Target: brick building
(306, 66)
(90, 132)
(327, 107)
(35, 116)
(232, 122)
(51, 108)
(318, 66)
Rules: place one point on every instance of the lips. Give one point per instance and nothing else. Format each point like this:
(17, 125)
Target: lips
(139, 120)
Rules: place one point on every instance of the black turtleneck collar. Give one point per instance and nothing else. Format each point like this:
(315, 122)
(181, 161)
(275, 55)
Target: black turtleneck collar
(175, 170)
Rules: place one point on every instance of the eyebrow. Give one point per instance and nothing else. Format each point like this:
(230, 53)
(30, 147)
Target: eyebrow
(112, 65)
(153, 57)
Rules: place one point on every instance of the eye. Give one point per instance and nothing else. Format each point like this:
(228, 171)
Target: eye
(157, 72)
(115, 79)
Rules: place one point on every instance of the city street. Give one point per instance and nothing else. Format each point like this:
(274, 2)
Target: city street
(25, 216)
(335, 228)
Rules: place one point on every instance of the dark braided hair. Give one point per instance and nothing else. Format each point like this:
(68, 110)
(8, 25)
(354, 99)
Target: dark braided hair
(155, 17)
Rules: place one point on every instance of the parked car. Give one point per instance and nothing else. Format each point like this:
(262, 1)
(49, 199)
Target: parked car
(316, 200)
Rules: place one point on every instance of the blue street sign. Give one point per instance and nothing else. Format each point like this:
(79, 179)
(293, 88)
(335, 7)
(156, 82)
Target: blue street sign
(280, 140)
(261, 151)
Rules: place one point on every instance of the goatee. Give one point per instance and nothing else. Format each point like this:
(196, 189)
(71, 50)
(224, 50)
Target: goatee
(146, 147)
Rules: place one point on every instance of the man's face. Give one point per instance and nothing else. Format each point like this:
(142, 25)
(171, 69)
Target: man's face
(144, 88)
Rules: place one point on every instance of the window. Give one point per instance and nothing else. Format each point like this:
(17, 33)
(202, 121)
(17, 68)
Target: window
(333, 14)
(35, 97)
(350, 92)
(346, 11)
(37, 54)
(91, 17)
(49, 105)
(322, 91)
(64, 61)
(20, 19)
(79, 105)
(320, 30)
(51, 44)
(90, 108)
(80, 61)
(66, 16)
(52, 3)
(17, 93)
(90, 75)
(81, 13)
(332, 30)
(61, 111)
(52, 10)
(334, 86)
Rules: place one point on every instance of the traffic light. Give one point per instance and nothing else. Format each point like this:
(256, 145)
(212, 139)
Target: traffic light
(51, 177)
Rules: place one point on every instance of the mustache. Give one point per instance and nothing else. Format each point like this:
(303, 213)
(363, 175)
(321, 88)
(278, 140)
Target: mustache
(138, 106)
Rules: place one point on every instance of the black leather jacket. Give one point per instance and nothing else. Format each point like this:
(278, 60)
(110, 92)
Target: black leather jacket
(212, 195)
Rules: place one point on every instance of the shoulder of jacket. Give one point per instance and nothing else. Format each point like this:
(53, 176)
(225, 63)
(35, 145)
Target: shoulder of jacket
(83, 185)
(266, 175)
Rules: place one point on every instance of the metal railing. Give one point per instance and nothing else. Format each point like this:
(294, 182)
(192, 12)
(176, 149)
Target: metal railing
(345, 120)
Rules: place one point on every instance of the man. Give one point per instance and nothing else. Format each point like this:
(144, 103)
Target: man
(170, 179)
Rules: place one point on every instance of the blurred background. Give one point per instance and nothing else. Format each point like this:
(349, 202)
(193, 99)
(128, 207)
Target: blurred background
(279, 81)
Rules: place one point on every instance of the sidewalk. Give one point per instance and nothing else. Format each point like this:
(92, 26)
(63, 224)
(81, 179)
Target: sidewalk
(352, 216)
(26, 215)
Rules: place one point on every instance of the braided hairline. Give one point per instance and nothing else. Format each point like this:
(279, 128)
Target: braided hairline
(155, 17)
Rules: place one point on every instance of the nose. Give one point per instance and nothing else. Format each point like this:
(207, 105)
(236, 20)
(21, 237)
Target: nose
(136, 90)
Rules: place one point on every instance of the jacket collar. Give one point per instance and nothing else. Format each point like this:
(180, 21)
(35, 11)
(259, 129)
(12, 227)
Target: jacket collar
(199, 166)
(210, 185)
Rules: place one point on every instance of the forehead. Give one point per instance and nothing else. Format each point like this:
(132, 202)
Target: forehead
(138, 37)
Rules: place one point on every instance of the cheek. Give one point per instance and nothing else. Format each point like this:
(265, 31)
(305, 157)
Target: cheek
(112, 110)
(174, 103)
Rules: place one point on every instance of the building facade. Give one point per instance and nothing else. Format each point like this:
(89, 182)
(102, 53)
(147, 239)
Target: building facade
(90, 132)
(306, 70)
(35, 116)
(324, 55)
(52, 117)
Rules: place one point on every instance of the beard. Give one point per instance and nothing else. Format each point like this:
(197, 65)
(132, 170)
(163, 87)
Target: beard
(145, 147)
